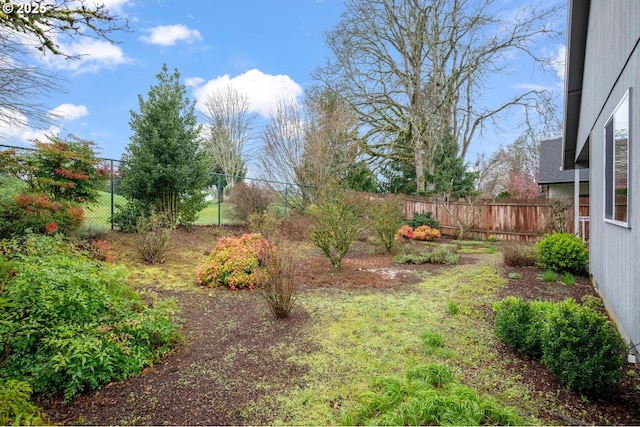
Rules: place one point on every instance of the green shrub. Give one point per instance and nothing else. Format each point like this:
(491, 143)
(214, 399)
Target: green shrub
(563, 253)
(37, 213)
(385, 218)
(15, 407)
(73, 324)
(424, 218)
(11, 186)
(439, 255)
(337, 222)
(234, 262)
(442, 255)
(520, 324)
(189, 207)
(126, 217)
(582, 348)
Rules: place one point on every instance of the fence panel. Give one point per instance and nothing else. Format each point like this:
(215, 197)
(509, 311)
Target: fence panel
(506, 219)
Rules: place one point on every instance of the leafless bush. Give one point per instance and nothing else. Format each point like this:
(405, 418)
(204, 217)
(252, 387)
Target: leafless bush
(519, 255)
(295, 227)
(153, 238)
(279, 289)
(264, 223)
(250, 198)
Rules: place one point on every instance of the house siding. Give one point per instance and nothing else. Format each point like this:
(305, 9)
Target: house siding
(563, 191)
(611, 68)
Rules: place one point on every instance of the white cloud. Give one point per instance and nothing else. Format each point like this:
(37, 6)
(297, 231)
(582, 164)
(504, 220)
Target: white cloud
(18, 130)
(532, 86)
(15, 126)
(558, 61)
(68, 112)
(263, 90)
(115, 6)
(93, 55)
(193, 81)
(169, 35)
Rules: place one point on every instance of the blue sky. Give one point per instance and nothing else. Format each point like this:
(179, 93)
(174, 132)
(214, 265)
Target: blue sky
(266, 48)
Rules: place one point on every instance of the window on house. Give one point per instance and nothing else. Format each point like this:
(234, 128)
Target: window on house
(616, 177)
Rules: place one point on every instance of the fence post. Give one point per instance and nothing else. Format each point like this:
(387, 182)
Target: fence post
(286, 201)
(219, 197)
(112, 196)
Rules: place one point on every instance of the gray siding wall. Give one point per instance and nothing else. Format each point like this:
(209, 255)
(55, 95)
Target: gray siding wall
(614, 250)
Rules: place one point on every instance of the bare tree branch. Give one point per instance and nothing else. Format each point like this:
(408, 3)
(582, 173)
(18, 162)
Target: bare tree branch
(413, 69)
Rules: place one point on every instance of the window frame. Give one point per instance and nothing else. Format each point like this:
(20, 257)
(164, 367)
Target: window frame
(609, 169)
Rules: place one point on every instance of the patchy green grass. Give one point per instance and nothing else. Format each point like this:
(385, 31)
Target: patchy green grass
(363, 335)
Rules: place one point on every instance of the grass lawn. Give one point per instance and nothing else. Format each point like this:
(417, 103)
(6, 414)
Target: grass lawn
(209, 215)
(99, 214)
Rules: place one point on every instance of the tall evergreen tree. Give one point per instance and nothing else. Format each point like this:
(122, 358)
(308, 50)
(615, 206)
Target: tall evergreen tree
(163, 165)
(450, 176)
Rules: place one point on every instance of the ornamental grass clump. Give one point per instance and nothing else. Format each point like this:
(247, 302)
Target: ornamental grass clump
(235, 262)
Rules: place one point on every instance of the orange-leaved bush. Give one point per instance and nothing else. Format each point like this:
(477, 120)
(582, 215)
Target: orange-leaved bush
(235, 262)
(405, 231)
(424, 232)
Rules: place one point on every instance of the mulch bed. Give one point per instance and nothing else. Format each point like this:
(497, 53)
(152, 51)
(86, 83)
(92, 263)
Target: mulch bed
(196, 386)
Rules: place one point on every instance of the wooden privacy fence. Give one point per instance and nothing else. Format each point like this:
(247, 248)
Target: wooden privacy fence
(506, 219)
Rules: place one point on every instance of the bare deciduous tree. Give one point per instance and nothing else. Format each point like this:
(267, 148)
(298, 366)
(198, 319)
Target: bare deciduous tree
(21, 82)
(281, 158)
(331, 140)
(413, 69)
(20, 85)
(228, 133)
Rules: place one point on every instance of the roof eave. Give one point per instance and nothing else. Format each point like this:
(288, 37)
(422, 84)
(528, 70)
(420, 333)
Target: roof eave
(578, 12)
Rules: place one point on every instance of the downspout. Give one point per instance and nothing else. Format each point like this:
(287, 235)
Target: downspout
(576, 203)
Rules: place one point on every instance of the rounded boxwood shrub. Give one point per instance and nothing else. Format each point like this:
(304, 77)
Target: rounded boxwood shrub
(521, 324)
(563, 253)
(582, 348)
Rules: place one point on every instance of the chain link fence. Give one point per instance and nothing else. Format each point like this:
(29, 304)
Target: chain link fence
(220, 209)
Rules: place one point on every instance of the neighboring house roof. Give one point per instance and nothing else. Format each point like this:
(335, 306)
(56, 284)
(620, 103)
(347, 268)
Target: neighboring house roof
(576, 47)
(550, 161)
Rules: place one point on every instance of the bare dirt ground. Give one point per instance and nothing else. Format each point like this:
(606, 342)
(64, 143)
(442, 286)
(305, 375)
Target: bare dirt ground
(206, 382)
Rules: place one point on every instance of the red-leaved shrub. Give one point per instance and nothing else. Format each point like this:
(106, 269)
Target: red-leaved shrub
(39, 214)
